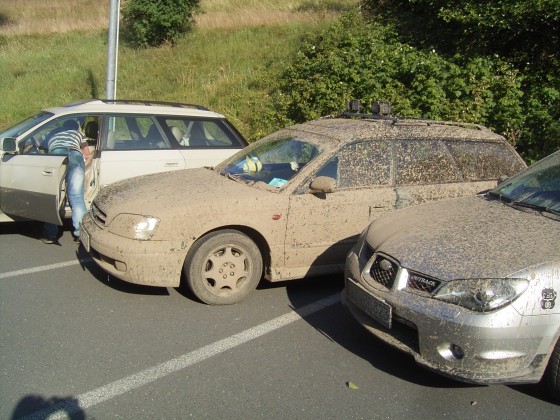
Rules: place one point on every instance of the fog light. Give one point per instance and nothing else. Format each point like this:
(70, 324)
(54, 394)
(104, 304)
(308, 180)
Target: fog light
(457, 351)
(451, 352)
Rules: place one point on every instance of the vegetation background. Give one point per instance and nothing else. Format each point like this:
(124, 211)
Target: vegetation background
(55, 52)
(266, 64)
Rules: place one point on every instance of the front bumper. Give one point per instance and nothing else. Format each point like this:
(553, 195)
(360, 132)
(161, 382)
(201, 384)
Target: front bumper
(152, 263)
(496, 347)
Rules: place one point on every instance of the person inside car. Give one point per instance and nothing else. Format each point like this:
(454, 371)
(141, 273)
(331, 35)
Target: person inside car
(70, 141)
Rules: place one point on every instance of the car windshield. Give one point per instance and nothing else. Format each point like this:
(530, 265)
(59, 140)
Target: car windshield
(537, 187)
(274, 162)
(23, 126)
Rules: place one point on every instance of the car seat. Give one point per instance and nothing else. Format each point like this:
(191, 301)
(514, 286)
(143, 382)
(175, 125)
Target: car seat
(176, 133)
(91, 130)
(197, 137)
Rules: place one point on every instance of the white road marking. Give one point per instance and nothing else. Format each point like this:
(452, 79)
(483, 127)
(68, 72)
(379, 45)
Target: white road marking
(122, 386)
(43, 268)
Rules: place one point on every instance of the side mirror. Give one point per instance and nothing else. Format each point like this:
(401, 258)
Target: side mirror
(8, 145)
(323, 184)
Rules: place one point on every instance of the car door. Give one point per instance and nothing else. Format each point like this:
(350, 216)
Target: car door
(323, 227)
(135, 145)
(33, 187)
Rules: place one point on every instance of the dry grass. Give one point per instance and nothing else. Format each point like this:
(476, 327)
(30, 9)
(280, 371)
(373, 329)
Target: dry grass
(25, 17)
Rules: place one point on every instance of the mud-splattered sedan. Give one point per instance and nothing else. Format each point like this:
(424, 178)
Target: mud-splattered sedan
(469, 286)
(289, 206)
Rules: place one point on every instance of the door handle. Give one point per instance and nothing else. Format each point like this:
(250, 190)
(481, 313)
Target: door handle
(169, 164)
(48, 172)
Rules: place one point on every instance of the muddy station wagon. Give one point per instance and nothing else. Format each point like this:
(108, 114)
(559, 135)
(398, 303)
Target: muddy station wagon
(469, 286)
(127, 138)
(288, 206)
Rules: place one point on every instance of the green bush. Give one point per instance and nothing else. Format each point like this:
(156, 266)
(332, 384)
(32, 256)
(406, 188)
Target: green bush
(523, 33)
(151, 23)
(358, 58)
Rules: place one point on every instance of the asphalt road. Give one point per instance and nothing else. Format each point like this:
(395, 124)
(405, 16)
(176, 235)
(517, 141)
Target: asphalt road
(77, 343)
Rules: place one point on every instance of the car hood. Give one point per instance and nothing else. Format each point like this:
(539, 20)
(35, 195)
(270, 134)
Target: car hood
(174, 194)
(470, 237)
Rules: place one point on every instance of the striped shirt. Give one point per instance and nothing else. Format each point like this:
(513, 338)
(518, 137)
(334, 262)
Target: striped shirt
(69, 139)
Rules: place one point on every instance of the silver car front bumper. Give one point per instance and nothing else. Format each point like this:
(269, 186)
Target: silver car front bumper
(483, 348)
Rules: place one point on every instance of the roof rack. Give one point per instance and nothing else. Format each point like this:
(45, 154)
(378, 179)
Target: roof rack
(382, 111)
(379, 110)
(151, 103)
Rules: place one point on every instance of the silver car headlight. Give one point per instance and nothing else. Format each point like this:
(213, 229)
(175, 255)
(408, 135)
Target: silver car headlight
(134, 226)
(482, 295)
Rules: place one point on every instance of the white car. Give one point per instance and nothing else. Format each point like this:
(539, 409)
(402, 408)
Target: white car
(127, 139)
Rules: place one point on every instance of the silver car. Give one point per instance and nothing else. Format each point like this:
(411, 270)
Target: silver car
(468, 286)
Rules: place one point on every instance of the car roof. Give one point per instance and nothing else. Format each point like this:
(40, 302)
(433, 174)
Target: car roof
(372, 128)
(134, 107)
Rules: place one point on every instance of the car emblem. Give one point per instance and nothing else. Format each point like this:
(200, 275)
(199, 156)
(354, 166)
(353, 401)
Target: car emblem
(548, 298)
(385, 265)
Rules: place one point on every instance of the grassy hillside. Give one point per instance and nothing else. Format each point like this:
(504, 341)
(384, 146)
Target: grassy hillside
(55, 52)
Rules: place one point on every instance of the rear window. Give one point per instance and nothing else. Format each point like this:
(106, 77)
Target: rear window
(480, 161)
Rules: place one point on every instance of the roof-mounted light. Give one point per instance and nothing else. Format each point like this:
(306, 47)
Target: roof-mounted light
(354, 105)
(378, 110)
(381, 108)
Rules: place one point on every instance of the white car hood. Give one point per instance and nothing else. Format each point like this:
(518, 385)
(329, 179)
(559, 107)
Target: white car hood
(469, 237)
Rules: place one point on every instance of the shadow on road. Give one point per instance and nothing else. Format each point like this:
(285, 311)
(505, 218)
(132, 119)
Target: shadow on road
(336, 323)
(38, 407)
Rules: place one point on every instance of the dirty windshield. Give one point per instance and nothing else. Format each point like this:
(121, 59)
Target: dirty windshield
(273, 162)
(538, 187)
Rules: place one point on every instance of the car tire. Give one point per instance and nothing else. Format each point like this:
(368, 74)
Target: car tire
(223, 267)
(552, 374)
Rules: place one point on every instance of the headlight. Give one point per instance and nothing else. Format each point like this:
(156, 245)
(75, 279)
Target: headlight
(134, 226)
(482, 295)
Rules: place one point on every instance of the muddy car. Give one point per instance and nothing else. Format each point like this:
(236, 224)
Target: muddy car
(468, 286)
(126, 138)
(290, 205)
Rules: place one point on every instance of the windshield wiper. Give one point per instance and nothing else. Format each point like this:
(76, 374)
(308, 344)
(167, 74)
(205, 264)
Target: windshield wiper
(536, 207)
(229, 175)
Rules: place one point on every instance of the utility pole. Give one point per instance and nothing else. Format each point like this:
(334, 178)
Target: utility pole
(112, 50)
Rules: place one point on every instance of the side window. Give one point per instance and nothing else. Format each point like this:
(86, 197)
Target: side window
(363, 164)
(133, 132)
(479, 161)
(424, 162)
(38, 141)
(194, 133)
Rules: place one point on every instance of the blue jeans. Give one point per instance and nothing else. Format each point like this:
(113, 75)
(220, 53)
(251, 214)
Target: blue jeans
(74, 191)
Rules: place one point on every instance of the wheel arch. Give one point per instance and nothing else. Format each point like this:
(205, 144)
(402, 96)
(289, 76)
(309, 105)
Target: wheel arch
(253, 234)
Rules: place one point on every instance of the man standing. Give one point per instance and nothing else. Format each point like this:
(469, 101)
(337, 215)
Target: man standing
(71, 142)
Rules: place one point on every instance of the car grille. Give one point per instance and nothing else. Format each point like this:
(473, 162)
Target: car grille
(98, 215)
(381, 271)
(420, 283)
